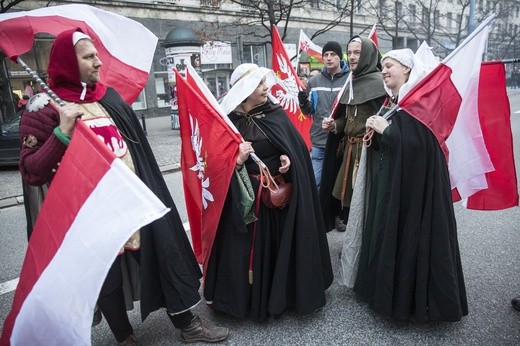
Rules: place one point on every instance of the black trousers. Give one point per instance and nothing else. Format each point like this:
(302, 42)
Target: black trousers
(111, 302)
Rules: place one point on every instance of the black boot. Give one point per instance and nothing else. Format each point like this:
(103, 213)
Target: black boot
(201, 330)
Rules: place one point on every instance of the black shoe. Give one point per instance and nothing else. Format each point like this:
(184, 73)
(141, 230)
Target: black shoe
(515, 302)
(201, 330)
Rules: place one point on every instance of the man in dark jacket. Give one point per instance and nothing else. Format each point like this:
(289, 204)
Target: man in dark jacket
(323, 89)
(169, 275)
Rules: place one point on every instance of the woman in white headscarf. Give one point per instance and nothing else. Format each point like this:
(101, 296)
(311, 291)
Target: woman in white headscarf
(410, 265)
(286, 250)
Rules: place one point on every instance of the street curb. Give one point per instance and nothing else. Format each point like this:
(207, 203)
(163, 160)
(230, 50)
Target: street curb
(17, 200)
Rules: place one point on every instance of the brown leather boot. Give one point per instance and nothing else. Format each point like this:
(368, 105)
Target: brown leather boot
(201, 330)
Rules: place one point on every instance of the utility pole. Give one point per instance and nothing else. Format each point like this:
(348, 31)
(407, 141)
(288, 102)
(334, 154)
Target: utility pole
(471, 24)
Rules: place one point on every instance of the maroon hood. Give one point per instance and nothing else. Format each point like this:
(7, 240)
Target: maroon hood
(64, 77)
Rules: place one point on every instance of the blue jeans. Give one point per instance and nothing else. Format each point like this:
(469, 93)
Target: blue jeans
(317, 163)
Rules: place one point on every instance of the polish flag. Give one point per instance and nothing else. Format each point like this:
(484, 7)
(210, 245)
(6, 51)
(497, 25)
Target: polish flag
(446, 101)
(495, 119)
(309, 47)
(208, 157)
(95, 203)
(126, 48)
(288, 86)
(373, 35)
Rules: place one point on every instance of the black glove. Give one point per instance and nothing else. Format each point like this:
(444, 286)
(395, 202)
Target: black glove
(303, 99)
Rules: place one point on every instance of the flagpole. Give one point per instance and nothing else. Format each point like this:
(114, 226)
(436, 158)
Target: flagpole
(504, 61)
(299, 51)
(468, 39)
(42, 84)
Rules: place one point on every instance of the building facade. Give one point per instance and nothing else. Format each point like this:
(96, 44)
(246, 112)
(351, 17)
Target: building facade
(227, 33)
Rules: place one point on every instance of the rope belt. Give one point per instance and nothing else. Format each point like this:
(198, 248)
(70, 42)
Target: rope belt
(351, 141)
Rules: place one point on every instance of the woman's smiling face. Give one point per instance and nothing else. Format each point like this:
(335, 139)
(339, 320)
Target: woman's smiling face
(394, 74)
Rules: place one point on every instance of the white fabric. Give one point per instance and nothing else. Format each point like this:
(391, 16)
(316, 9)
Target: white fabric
(418, 70)
(79, 36)
(59, 308)
(469, 160)
(118, 33)
(245, 80)
(425, 55)
(353, 235)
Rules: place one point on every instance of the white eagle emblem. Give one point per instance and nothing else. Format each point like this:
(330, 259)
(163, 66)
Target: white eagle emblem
(200, 165)
(288, 95)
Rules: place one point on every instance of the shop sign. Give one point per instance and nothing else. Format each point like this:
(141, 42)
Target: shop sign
(216, 52)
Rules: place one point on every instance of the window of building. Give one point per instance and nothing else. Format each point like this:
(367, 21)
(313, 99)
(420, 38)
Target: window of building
(425, 15)
(217, 82)
(399, 9)
(162, 89)
(449, 20)
(140, 101)
(255, 54)
(412, 9)
(436, 17)
(315, 3)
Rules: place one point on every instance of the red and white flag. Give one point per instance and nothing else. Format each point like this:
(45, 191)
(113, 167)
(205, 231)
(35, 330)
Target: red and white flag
(208, 158)
(373, 35)
(125, 68)
(495, 119)
(95, 203)
(309, 47)
(288, 86)
(446, 102)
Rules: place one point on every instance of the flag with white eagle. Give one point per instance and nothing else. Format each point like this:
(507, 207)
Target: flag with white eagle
(208, 157)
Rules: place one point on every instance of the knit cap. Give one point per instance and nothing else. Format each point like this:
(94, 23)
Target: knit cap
(334, 47)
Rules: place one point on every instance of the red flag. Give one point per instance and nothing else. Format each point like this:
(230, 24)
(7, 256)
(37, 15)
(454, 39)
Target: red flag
(286, 90)
(116, 37)
(93, 206)
(209, 152)
(495, 119)
(446, 102)
(309, 47)
(373, 35)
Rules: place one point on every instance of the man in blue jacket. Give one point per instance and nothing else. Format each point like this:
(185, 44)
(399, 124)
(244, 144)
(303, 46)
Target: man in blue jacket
(323, 89)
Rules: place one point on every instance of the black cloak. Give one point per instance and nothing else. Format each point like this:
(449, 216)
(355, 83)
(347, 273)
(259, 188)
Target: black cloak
(410, 266)
(170, 275)
(291, 271)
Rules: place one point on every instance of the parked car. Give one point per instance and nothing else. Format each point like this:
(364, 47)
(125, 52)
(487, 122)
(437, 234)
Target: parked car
(10, 142)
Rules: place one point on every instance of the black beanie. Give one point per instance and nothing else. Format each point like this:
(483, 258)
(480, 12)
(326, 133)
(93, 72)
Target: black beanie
(333, 46)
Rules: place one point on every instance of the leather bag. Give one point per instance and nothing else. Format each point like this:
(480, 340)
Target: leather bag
(277, 198)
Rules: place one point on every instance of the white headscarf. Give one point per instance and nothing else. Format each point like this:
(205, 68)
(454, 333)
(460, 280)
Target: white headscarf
(244, 81)
(407, 58)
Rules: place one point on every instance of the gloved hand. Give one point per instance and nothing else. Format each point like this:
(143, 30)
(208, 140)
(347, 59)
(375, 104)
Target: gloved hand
(303, 99)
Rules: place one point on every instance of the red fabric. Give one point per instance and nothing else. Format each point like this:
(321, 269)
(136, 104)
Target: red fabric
(495, 120)
(208, 158)
(286, 91)
(17, 38)
(47, 237)
(435, 102)
(373, 36)
(64, 76)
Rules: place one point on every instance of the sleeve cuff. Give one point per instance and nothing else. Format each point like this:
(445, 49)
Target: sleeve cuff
(63, 138)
